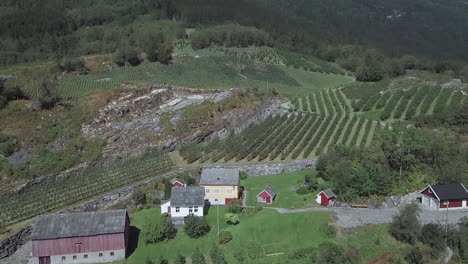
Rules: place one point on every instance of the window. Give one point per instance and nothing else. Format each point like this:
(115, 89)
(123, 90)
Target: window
(229, 191)
(177, 209)
(207, 190)
(216, 191)
(100, 255)
(195, 209)
(446, 203)
(74, 257)
(190, 209)
(85, 256)
(64, 258)
(429, 191)
(263, 199)
(112, 254)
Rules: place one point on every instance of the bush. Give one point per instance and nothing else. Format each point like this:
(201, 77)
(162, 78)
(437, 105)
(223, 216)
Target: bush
(196, 227)
(330, 253)
(217, 256)
(148, 261)
(414, 256)
(231, 219)
(8, 145)
(235, 207)
(139, 197)
(331, 230)
(162, 261)
(159, 230)
(224, 237)
(73, 65)
(197, 257)
(405, 226)
(239, 256)
(180, 259)
(303, 190)
(431, 235)
(243, 175)
(308, 255)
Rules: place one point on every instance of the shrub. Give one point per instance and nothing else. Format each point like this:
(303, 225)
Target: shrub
(243, 175)
(235, 207)
(305, 254)
(196, 227)
(224, 237)
(8, 145)
(162, 261)
(405, 226)
(72, 65)
(197, 257)
(160, 230)
(239, 256)
(231, 219)
(139, 197)
(217, 256)
(148, 261)
(331, 230)
(330, 253)
(303, 190)
(431, 235)
(180, 259)
(414, 256)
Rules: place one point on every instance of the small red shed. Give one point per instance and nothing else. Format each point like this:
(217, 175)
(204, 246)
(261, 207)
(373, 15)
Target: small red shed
(326, 197)
(267, 195)
(177, 183)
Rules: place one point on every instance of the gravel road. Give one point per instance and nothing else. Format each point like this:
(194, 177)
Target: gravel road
(356, 217)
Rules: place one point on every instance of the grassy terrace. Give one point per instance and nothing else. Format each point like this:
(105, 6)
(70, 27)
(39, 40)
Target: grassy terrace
(304, 229)
(285, 186)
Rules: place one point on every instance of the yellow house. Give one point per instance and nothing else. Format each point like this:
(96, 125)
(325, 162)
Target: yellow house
(221, 185)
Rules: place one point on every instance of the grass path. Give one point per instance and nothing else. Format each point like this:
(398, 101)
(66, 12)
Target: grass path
(434, 102)
(370, 136)
(323, 103)
(353, 131)
(348, 102)
(316, 105)
(332, 136)
(309, 108)
(362, 133)
(322, 137)
(346, 129)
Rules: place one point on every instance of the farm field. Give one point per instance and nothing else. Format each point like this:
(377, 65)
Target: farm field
(212, 70)
(60, 191)
(284, 138)
(285, 186)
(302, 229)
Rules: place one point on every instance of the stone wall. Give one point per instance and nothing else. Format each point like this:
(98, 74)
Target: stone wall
(9, 245)
(271, 168)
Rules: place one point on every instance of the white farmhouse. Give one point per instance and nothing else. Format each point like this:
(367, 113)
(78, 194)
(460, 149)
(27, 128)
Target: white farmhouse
(185, 201)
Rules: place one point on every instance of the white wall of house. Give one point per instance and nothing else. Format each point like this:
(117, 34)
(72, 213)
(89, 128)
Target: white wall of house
(430, 202)
(92, 257)
(181, 211)
(318, 199)
(215, 201)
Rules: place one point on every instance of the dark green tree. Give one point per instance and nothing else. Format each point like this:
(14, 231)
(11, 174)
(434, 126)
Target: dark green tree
(196, 227)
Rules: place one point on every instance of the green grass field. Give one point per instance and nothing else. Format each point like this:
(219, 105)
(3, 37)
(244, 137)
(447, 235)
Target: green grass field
(284, 185)
(277, 233)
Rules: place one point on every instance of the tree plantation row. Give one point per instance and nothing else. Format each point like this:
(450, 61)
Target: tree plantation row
(63, 190)
(285, 137)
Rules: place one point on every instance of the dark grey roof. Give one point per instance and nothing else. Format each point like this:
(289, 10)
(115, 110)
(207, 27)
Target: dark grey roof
(270, 190)
(329, 193)
(176, 180)
(219, 176)
(450, 191)
(79, 224)
(188, 196)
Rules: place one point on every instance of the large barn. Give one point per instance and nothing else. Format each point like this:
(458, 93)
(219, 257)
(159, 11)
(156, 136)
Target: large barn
(446, 196)
(88, 237)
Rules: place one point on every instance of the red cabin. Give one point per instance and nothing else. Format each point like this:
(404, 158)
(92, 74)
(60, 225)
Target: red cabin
(446, 196)
(177, 183)
(326, 197)
(267, 195)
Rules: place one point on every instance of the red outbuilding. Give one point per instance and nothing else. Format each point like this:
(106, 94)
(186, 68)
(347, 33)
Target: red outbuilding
(86, 237)
(267, 195)
(326, 197)
(446, 196)
(177, 183)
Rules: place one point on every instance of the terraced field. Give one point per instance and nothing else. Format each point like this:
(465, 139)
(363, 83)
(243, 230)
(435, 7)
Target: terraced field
(323, 120)
(405, 104)
(64, 190)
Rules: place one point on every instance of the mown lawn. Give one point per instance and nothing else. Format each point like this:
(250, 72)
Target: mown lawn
(285, 186)
(276, 232)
